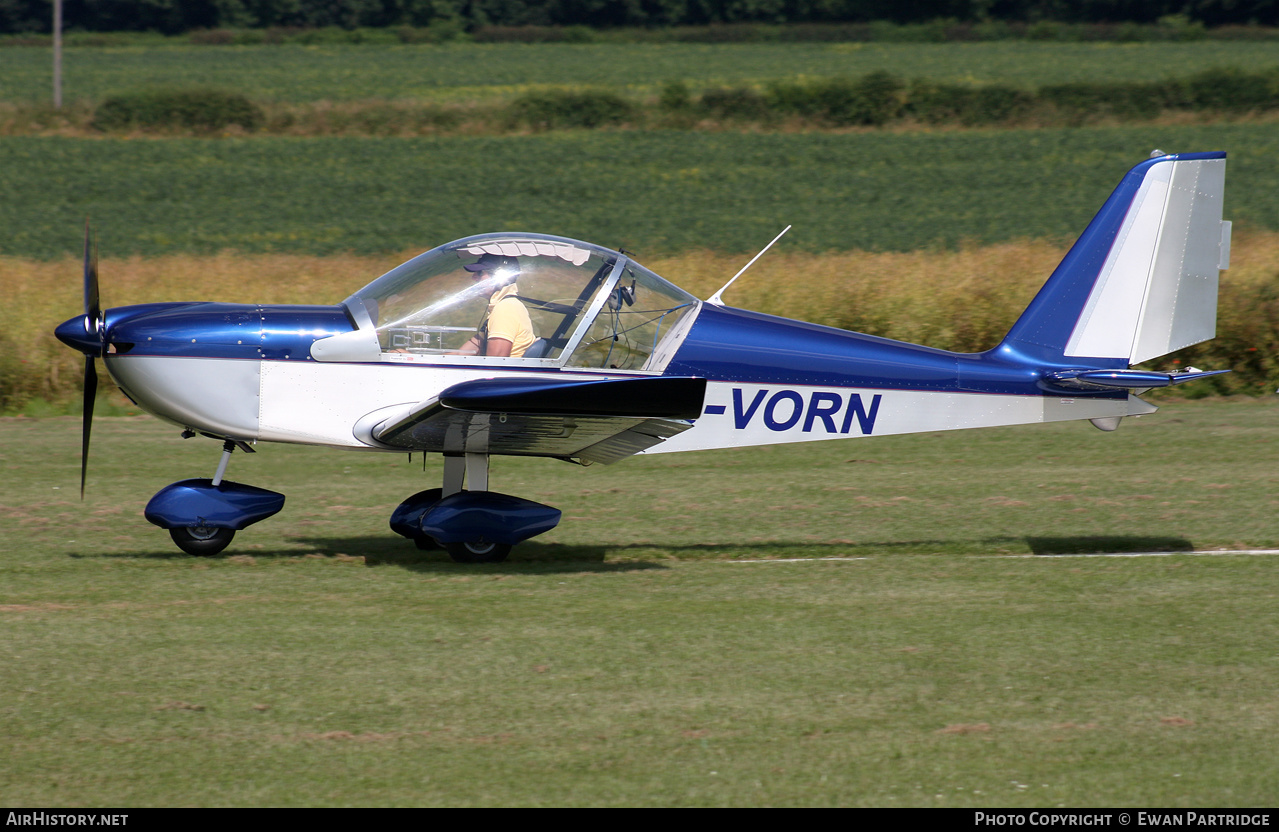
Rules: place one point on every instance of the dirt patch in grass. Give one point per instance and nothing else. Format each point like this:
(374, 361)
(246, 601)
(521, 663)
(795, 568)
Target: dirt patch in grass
(1176, 721)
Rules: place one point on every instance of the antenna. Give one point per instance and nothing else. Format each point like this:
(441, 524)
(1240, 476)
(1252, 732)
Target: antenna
(715, 298)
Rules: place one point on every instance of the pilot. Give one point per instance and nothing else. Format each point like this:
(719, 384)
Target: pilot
(506, 329)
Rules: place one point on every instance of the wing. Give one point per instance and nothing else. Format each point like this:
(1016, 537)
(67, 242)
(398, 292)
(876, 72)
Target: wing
(597, 420)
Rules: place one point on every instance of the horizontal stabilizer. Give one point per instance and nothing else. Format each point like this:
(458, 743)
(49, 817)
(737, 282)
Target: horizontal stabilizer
(1122, 379)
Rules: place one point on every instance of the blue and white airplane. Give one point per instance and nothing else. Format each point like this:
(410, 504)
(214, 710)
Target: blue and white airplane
(605, 360)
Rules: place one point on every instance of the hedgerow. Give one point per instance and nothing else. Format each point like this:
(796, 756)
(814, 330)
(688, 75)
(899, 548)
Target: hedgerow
(568, 109)
(880, 98)
(873, 100)
(193, 109)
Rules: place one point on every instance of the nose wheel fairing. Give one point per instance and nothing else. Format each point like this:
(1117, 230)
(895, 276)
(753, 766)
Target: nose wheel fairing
(200, 503)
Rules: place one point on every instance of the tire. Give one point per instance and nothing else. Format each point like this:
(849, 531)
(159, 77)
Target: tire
(477, 551)
(201, 541)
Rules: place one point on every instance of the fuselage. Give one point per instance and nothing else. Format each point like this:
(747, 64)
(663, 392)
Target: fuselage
(248, 372)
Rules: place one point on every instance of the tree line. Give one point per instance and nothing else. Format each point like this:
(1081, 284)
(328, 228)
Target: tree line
(178, 16)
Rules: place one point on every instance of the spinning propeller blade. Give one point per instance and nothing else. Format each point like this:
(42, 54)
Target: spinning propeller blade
(90, 393)
(92, 324)
(91, 309)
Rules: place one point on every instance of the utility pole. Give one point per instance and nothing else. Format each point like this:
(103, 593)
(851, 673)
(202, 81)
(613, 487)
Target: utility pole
(57, 54)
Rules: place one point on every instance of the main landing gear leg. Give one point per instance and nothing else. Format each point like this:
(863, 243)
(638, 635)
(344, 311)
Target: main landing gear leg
(471, 470)
(454, 474)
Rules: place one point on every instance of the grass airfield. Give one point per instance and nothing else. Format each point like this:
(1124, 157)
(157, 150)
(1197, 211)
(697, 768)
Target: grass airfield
(660, 647)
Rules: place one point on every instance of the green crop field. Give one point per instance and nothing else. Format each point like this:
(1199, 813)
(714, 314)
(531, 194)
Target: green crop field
(464, 72)
(652, 192)
(641, 654)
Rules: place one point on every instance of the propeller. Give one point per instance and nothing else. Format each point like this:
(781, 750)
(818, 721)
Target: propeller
(86, 334)
(92, 326)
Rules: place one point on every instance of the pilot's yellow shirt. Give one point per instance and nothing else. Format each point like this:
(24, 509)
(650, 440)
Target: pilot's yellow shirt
(508, 318)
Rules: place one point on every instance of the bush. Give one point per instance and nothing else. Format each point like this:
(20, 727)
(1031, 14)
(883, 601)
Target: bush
(723, 33)
(212, 37)
(586, 108)
(735, 104)
(1045, 30)
(871, 100)
(996, 103)
(874, 99)
(1180, 27)
(945, 103)
(675, 97)
(534, 34)
(1232, 90)
(935, 103)
(193, 109)
(441, 30)
(1079, 101)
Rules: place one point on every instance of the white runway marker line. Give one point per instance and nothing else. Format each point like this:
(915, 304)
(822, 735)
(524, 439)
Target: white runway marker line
(790, 560)
(1196, 553)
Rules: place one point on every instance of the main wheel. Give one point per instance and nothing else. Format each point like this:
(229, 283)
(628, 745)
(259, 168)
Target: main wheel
(201, 541)
(477, 551)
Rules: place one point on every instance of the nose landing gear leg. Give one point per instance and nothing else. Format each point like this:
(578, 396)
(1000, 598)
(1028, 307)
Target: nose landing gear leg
(206, 541)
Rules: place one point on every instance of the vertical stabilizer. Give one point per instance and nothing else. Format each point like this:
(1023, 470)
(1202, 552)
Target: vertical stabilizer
(1141, 281)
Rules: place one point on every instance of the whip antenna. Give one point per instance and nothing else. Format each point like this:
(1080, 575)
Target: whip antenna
(715, 298)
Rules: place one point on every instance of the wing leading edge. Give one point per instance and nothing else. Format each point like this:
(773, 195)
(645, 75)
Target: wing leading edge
(595, 420)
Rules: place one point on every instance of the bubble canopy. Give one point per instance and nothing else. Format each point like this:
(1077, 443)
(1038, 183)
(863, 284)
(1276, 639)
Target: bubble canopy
(588, 306)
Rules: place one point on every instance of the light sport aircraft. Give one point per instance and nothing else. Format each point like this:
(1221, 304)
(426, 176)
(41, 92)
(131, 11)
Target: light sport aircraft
(624, 363)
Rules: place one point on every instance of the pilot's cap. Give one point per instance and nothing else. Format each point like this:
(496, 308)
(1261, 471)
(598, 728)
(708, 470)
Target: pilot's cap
(492, 263)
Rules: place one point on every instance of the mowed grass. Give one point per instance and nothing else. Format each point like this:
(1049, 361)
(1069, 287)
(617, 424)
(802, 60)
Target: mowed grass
(476, 72)
(631, 656)
(652, 193)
